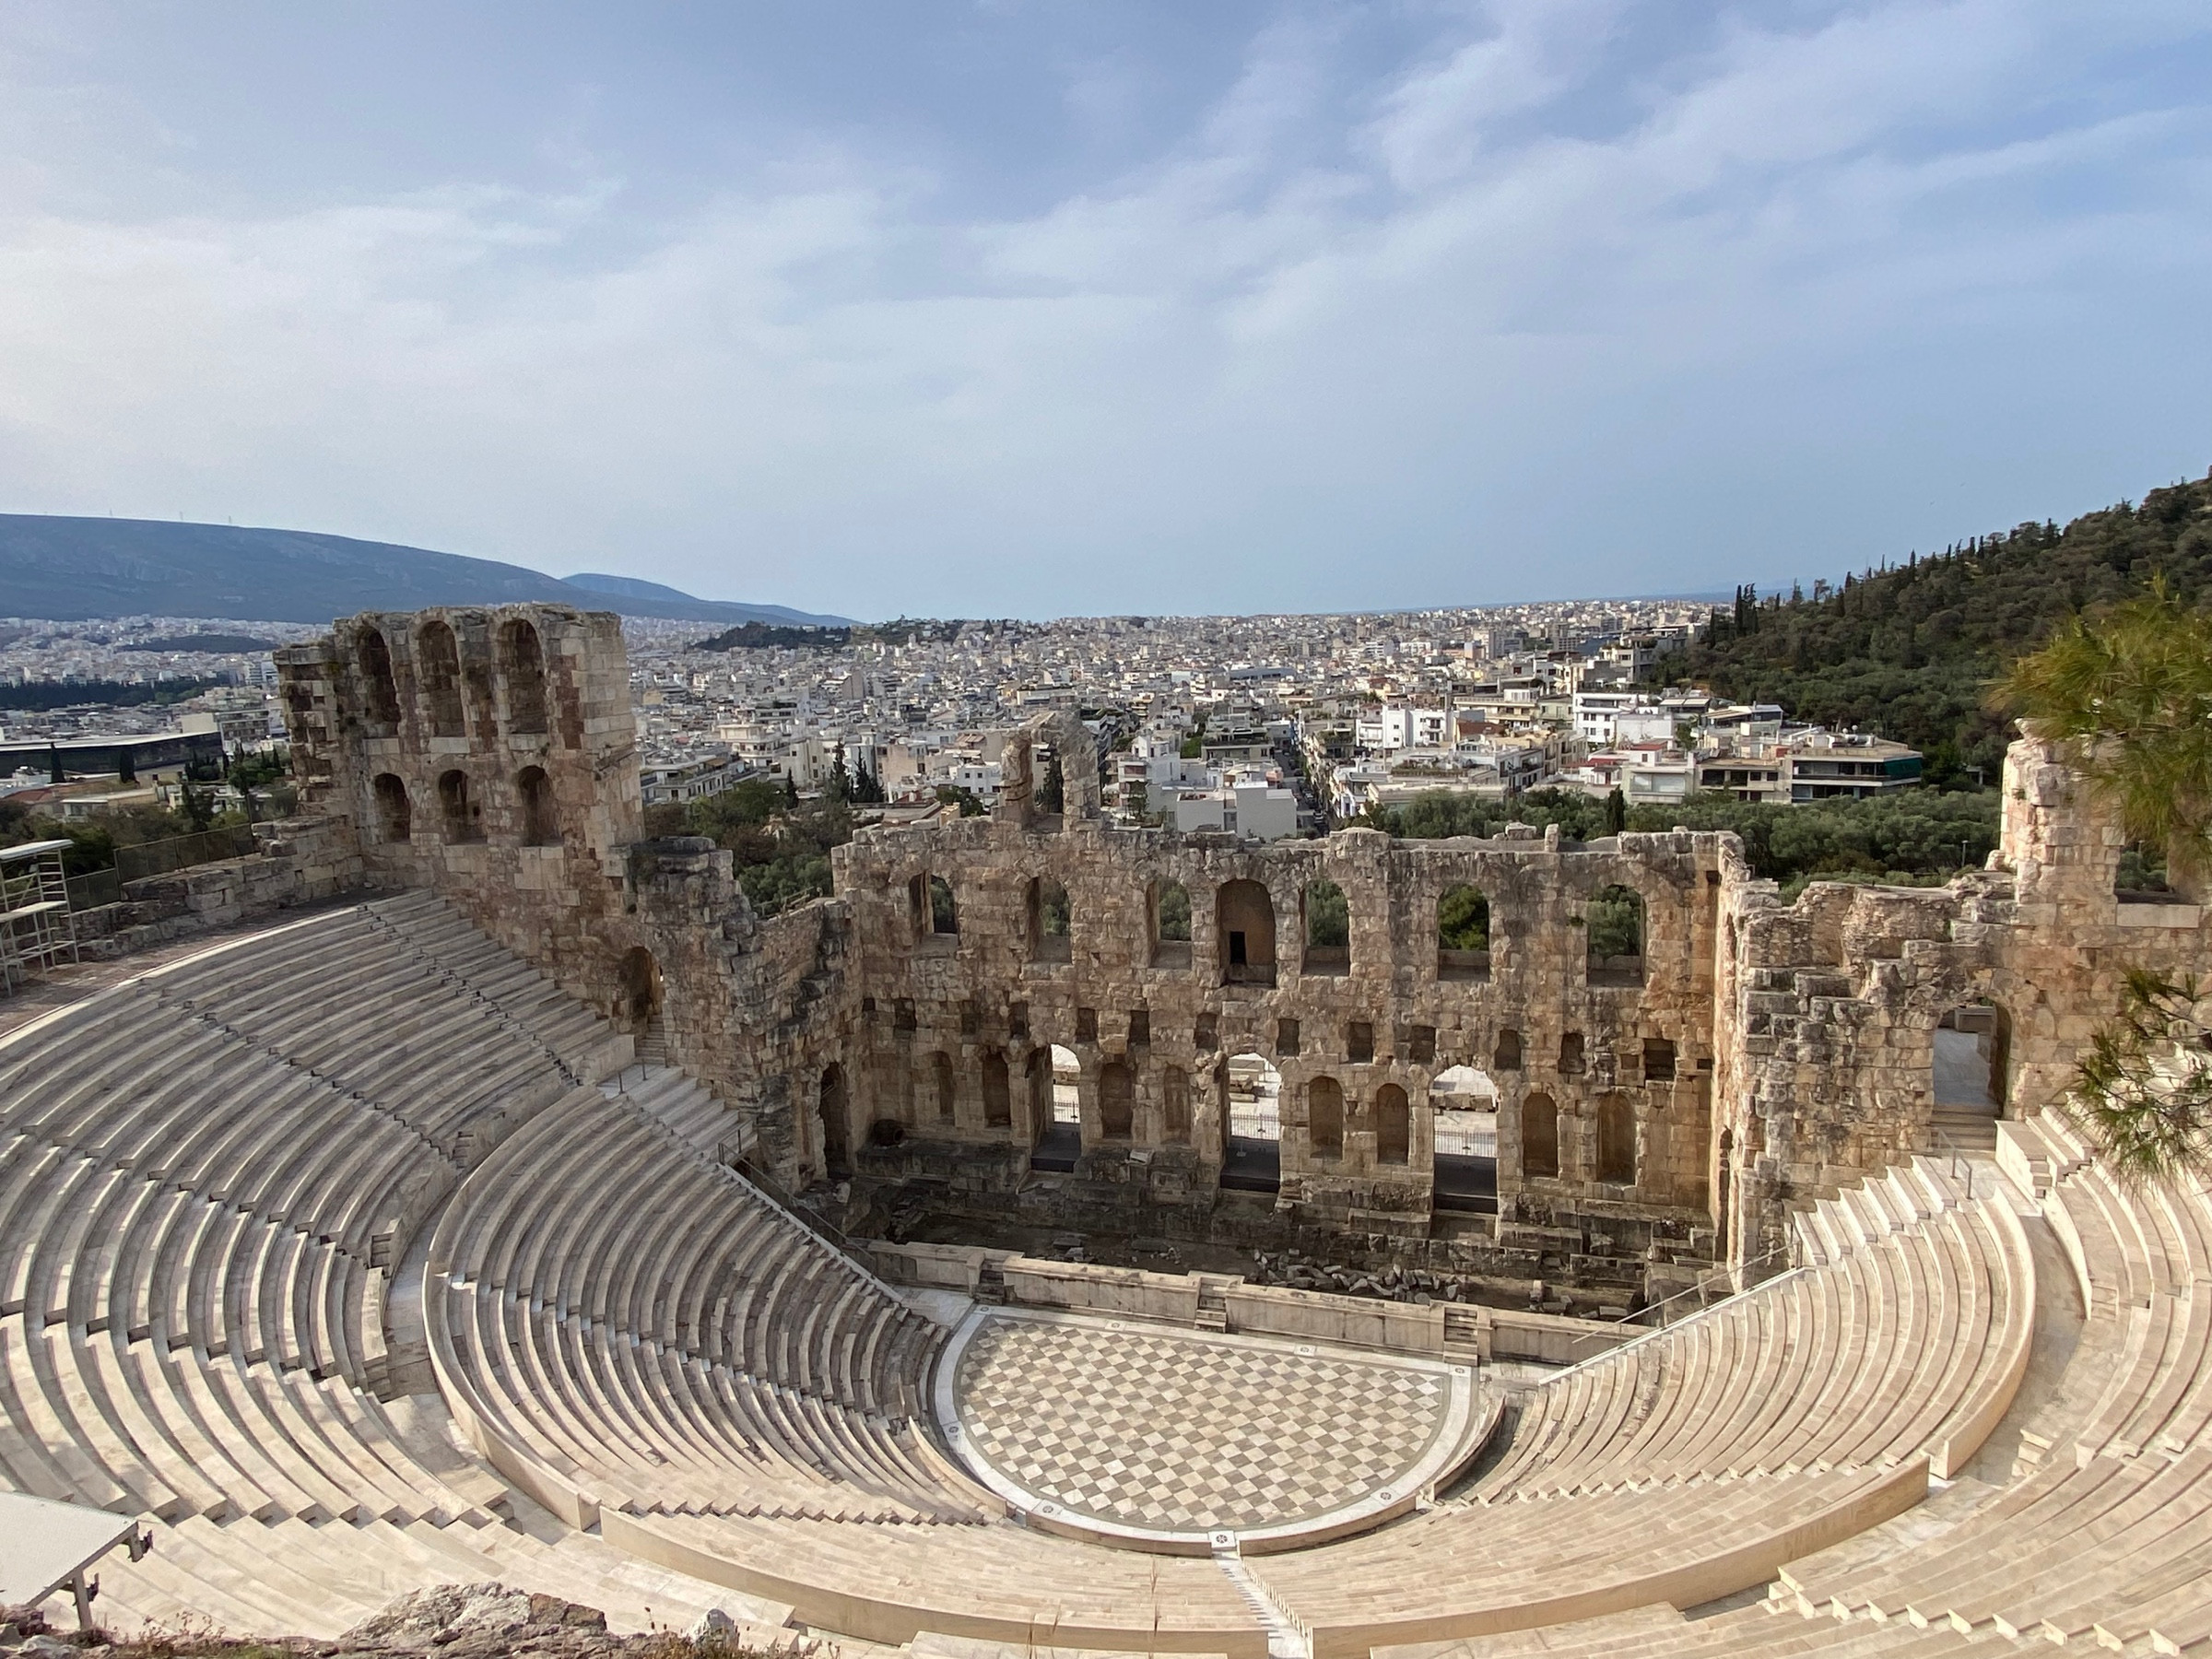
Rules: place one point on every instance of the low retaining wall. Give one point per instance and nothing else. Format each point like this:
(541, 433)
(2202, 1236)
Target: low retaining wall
(300, 861)
(1256, 1310)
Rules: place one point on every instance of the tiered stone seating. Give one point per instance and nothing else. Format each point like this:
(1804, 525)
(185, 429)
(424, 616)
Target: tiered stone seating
(1692, 1462)
(204, 1177)
(702, 1352)
(2100, 1536)
(1906, 1335)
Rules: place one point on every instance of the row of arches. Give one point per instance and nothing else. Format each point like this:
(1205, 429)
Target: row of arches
(1612, 921)
(1464, 1103)
(460, 809)
(520, 659)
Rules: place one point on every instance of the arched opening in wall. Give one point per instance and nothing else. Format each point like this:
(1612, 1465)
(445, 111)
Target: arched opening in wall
(1325, 1119)
(1539, 1138)
(1613, 934)
(1048, 920)
(437, 660)
(374, 658)
(1463, 1104)
(1615, 1139)
(999, 1092)
(1463, 934)
(837, 1129)
(1117, 1100)
(1973, 1055)
(1246, 923)
(1723, 1176)
(1171, 908)
(534, 793)
(1175, 1106)
(637, 1010)
(1060, 1140)
(1571, 1054)
(1328, 916)
(523, 670)
(1394, 1126)
(1506, 1056)
(943, 1093)
(457, 806)
(1252, 1112)
(394, 816)
(943, 916)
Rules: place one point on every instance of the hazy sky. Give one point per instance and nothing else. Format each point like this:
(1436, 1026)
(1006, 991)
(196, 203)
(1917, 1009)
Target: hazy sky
(1047, 308)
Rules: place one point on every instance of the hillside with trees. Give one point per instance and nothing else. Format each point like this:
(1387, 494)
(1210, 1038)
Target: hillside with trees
(1908, 649)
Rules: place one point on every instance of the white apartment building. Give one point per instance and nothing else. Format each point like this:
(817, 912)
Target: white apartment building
(1248, 807)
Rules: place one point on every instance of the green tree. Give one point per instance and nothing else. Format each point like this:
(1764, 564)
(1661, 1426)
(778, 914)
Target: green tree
(960, 795)
(1463, 920)
(2129, 694)
(1328, 915)
(1616, 812)
(2144, 1091)
(1052, 796)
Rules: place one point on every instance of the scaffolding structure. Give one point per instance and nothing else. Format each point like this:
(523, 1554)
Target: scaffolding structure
(37, 931)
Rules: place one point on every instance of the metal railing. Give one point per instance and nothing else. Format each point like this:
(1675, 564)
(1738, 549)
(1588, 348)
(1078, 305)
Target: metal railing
(94, 888)
(1639, 1317)
(183, 852)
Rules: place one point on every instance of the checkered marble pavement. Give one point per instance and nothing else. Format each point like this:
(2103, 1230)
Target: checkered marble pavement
(1172, 1430)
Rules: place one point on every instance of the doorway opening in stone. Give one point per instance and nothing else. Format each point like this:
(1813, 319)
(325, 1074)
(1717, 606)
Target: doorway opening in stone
(837, 1133)
(1060, 1141)
(1463, 1103)
(1971, 1052)
(638, 1006)
(1251, 1118)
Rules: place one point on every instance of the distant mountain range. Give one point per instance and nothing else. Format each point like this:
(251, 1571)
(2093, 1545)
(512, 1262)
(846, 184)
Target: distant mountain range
(71, 569)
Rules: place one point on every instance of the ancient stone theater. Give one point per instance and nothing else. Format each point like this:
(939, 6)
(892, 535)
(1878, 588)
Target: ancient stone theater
(467, 1187)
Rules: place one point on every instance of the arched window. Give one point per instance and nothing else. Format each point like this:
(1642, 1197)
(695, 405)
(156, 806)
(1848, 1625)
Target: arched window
(998, 1095)
(1614, 923)
(1325, 1118)
(438, 663)
(534, 792)
(1117, 1100)
(1539, 1137)
(1615, 1139)
(1246, 923)
(1170, 910)
(1570, 1054)
(1048, 920)
(1175, 1106)
(1328, 945)
(941, 1086)
(1463, 1117)
(463, 817)
(375, 659)
(836, 1149)
(944, 917)
(1462, 935)
(1507, 1056)
(396, 817)
(523, 669)
(1393, 1125)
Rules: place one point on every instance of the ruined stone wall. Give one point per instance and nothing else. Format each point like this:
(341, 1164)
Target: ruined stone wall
(1386, 1014)
(1828, 1009)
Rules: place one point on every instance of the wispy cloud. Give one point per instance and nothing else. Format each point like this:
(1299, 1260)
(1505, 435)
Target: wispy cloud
(1536, 306)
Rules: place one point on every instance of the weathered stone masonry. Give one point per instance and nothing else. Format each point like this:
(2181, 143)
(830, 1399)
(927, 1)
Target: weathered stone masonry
(1753, 1055)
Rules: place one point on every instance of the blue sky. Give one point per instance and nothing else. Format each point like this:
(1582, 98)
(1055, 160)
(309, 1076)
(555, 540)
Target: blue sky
(1045, 309)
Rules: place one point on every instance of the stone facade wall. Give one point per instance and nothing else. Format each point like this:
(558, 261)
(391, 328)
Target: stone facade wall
(1384, 1015)
(1827, 1008)
(1750, 1058)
